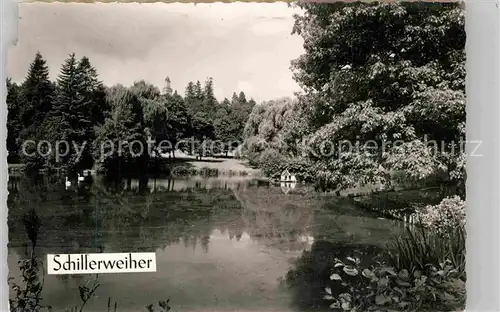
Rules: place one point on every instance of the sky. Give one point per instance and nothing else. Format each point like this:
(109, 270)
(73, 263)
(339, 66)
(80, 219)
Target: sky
(243, 46)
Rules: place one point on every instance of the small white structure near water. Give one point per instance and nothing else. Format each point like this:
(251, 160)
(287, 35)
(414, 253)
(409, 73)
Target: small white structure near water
(286, 176)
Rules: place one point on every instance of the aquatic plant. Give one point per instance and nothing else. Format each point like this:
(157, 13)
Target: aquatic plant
(384, 288)
(419, 247)
(28, 296)
(164, 307)
(310, 273)
(440, 236)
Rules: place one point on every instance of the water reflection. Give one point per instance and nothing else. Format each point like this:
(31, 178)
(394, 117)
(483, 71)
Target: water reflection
(220, 243)
(311, 271)
(195, 183)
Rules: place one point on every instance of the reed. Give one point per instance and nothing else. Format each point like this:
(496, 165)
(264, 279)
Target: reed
(420, 247)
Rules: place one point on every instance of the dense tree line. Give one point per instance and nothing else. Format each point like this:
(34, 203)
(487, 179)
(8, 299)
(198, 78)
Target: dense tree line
(79, 109)
(391, 74)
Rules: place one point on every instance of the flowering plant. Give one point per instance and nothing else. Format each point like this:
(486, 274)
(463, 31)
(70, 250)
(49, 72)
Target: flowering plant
(450, 213)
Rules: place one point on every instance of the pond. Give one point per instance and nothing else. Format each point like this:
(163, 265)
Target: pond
(222, 244)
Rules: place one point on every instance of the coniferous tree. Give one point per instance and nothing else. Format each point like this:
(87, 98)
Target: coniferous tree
(209, 91)
(72, 113)
(36, 95)
(190, 94)
(34, 103)
(235, 100)
(65, 105)
(201, 127)
(242, 98)
(191, 98)
(93, 91)
(210, 102)
(198, 91)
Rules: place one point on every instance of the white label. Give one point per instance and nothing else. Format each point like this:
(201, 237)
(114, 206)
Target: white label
(101, 263)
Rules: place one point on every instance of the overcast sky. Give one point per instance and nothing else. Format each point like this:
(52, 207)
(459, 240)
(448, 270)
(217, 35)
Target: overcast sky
(243, 46)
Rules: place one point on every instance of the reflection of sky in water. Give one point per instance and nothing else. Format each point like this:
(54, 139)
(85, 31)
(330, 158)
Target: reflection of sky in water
(217, 250)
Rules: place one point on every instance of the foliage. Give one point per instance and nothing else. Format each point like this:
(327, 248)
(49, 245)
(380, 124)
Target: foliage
(268, 118)
(13, 121)
(177, 124)
(272, 162)
(420, 247)
(79, 109)
(71, 109)
(448, 215)
(32, 104)
(382, 288)
(94, 90)
(266, 133)
(27, 298)
(124, 124)
(387, 78)
(439, 236)
(310, 273)
(164, 307)
(302, 169)
(36, 94)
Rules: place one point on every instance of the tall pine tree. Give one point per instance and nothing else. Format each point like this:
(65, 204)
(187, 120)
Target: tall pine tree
(198, 91)
(235, 100)
(209, 102)
(72, 112)
(242, 98)
(36, 95)
(93, 92)
(189, 94)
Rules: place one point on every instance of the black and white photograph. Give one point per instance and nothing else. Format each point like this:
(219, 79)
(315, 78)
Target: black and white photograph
(238, 156)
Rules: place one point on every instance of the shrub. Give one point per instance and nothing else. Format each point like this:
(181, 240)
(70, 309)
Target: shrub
(383, 288)
(183, 170)
(272, 162)
(445, 216)
(302, 168)
(208, 172)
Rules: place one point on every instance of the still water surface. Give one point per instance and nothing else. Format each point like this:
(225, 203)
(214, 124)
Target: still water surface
(222, 244)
